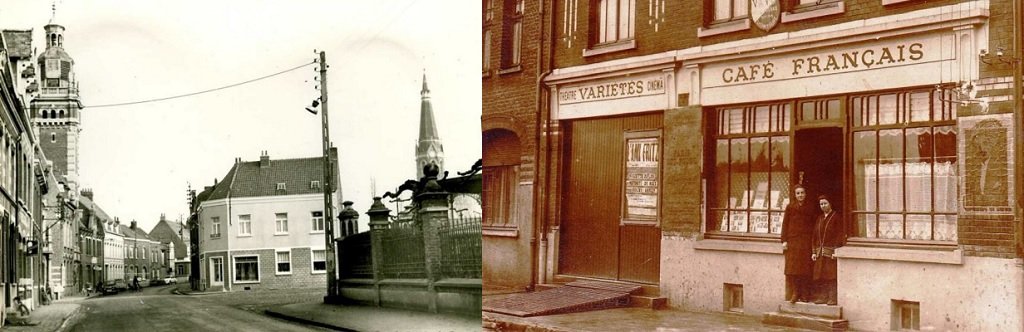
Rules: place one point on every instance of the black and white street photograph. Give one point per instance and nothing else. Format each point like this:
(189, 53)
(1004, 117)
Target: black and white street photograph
(240, 166)
(753, 165)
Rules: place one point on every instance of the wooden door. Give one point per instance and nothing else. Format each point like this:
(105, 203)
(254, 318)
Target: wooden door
(594, 242)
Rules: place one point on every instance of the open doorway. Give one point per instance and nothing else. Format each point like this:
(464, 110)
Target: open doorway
(819, 160)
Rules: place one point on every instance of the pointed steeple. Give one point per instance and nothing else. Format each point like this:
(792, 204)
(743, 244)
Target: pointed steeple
(428, 147)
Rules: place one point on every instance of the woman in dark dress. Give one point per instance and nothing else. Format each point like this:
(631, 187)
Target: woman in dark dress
(828, 235)
(797, 230)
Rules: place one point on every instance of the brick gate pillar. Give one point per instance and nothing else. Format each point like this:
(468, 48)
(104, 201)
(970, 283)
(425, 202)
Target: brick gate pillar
(432, 214)
(378, 225)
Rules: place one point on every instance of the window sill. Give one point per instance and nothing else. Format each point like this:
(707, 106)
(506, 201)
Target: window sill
(723, 28)
(893, 2)
(244, 235)
(500, 231)
(815, 11)
(214, 236)
(316, 232)
(280, 234)
(610, 48)
(246, 282)
(753, 245)
(318, 272)
(283, 274)
(510, 70)
(953, 256)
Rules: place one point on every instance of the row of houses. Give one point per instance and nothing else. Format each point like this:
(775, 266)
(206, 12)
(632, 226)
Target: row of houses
(55, 241)
(656, 143)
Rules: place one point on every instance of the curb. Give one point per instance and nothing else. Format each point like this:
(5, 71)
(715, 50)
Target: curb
(493, 323)
(272, 313)
(70, 319)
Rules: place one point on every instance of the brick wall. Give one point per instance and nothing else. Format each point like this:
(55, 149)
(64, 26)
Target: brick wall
(300, 277)
(681, 213)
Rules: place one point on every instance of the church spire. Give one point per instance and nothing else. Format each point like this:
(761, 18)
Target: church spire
(428, 147)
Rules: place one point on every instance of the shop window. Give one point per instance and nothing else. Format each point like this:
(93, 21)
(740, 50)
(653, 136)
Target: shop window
(247, 269)
(500, 177)
(906, 316)
(749, 189)
(512, 34)
(904, 167)
(732, 298)
(613, 21)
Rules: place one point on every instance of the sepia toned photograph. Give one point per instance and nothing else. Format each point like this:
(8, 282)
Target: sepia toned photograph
(752, 165)
(240, 166)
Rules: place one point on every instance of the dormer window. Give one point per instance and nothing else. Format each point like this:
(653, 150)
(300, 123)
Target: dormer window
(315, 184)
(280, 186)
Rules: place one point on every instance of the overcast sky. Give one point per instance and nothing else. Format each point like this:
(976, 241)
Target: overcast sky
(139, 159)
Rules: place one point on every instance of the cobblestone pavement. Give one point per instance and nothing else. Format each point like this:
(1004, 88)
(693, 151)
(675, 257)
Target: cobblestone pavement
(260, 300)
(50, 317)
(629, 319)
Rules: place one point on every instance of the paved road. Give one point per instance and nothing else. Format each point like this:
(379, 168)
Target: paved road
(158, 309)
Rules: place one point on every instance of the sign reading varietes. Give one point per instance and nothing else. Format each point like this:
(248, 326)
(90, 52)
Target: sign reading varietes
(642, 185)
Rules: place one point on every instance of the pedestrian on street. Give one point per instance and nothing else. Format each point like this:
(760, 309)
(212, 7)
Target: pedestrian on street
(797, 231)
(135, 283)
(828, 235)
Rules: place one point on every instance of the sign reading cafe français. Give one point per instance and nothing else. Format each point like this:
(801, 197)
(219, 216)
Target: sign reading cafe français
(642, 178)
(833, 61)
(619, 88)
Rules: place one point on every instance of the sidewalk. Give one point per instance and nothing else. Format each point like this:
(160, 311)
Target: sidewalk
(628, 319)
(53, 317)
(366, 318)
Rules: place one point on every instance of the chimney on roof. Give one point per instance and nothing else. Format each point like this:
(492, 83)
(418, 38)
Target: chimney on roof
(162, 217)
(133, 225)
(264, 159)
(117, 222)
(87, 192)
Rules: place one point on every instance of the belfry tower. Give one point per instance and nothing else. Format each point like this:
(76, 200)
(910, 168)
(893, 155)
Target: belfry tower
(428, 147)
(56, 110)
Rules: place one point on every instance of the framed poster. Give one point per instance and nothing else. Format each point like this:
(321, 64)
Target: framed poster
(641, 200)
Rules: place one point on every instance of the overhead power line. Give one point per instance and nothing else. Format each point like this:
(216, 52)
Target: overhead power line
(201, 92)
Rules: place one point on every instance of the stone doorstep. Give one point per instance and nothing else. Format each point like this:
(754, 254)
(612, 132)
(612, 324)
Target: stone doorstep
(805, 321)
(648, 302)
(820, 310)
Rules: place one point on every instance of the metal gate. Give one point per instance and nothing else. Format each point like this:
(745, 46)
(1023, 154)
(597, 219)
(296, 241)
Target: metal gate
(594, 242)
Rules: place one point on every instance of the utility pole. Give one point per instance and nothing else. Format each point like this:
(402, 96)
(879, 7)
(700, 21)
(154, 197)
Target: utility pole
(332, 289)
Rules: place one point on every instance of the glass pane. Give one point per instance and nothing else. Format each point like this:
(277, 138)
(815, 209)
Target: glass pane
(920, 106)
(720, 220)
(735, 121)
(761, 118)
(738, 221)
(945, 186)
(865, 170)
(741, 8)
(919, 169)
(720, 186)
(890, 170)
(856, 109)
(807, 111)
(776, 223)
(832, 106)
(738, 186)
(887, 109)
(945, 228)
(919, 227)
(890, 226)
(624, 22)
(867, 226)
(786, 111)
(778, 195)
(722, 10)
(759, 171)
(759, 222)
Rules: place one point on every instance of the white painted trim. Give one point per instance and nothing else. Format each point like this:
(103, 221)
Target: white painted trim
(233, 272)
(724, 28)
(739, 245)
(829, 9)
(609, 48)
(311, 268)
(612, 68)
(893, 2)
(954, 257)
(277, 262)
(239, 218)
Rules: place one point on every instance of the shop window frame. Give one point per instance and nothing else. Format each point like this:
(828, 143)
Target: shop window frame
(718, 130)
(939, 106)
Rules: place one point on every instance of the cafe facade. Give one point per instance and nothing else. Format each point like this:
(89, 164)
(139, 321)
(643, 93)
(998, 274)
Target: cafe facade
(672, 170)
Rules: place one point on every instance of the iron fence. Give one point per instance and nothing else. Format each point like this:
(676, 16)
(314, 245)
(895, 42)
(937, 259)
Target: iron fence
(403, 255)
(460, 248)
(355, 259)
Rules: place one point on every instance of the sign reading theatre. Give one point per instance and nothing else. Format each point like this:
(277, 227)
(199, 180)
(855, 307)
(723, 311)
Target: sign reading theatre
(642, 176)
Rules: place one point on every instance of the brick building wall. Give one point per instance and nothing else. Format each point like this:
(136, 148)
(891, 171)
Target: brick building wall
(301, 271)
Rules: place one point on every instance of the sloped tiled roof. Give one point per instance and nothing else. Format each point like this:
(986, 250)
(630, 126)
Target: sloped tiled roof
(164, 232)
(249, 179)
(136, 233)
(86, 203)
(18, 43)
